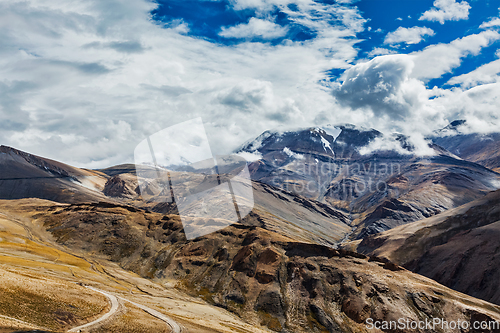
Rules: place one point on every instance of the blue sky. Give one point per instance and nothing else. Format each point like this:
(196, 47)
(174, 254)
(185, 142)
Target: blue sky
(84, 81)
(207, 19)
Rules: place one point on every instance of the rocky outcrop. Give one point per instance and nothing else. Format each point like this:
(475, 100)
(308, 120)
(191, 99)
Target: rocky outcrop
(121, 186)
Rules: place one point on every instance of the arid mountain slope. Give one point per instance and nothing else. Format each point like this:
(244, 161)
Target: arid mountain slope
(267, 279)
(29, 176)
(270, 270)
(297, 217)
(459, 249)
(34, 293)
(24, 175)
(44, 287)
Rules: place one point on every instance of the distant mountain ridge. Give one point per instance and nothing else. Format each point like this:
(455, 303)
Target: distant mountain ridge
(483, 149)
(24, 175)
(380, 189)
(29, 176)
(328, 141)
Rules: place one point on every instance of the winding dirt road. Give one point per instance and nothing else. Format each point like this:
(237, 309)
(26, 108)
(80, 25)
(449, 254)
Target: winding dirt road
(176, 328)
(173, 325)
(111, 312)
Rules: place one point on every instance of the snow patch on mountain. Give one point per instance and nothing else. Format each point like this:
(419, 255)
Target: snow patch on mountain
(333, 131)
(255, 144)
(250, 157)
(291, 154)
(326, 144)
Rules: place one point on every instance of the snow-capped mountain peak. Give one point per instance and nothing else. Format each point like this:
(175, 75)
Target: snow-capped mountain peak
(327, 141)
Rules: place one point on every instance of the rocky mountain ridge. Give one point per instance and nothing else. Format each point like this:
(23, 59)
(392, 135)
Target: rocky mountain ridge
(380, 188)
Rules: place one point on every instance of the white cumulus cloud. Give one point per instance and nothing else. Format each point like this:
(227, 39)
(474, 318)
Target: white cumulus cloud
(487, 73)
(84, 81)
(436, 60)
(495, 22)
(392, 99)
(378, 51)
(390, 94)
(254, 28)
(380, 85)
(412, 35)
(447, 10)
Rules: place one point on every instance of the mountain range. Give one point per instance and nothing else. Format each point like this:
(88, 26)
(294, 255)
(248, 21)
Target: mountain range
(339, 233)
(380, 189)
